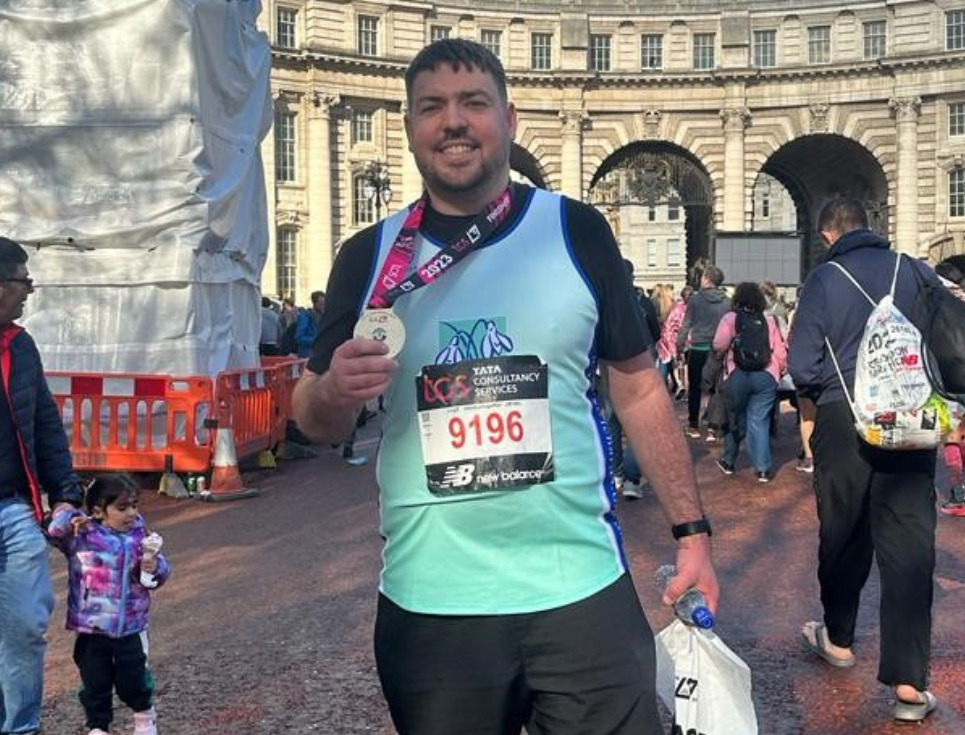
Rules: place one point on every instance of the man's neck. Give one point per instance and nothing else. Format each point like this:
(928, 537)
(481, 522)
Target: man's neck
(467, 205)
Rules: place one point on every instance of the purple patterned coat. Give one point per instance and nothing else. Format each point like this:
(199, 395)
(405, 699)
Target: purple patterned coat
(104, 567)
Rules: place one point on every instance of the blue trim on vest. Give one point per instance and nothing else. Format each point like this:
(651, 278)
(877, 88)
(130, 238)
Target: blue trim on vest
(565, 226)
(603, 433)
(606, 441)
(370, 281)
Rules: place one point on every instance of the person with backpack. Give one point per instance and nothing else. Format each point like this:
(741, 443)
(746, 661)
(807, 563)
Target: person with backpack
(872, 503)
(755, 358)
(953, 451)
(306, 324)
(703, 314)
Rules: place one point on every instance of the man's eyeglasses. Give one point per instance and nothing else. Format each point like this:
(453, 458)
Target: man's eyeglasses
(28, 282)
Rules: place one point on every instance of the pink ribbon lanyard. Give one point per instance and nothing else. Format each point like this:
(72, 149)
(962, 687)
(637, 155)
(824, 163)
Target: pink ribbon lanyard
(388, 287)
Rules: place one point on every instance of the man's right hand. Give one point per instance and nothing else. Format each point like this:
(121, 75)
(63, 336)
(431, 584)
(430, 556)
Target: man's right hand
(325, 405)
(359, 372)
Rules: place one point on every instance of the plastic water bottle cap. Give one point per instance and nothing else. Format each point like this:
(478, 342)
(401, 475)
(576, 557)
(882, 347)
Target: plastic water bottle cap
(703, 618)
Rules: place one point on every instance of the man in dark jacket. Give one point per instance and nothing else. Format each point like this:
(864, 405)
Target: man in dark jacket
(872, 503)
(703, 314)
(34, 454)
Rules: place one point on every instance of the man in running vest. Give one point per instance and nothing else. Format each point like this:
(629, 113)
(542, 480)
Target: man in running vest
(482, 312)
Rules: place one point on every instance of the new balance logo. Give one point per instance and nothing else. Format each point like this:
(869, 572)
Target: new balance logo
(685, 688)
(457, 475)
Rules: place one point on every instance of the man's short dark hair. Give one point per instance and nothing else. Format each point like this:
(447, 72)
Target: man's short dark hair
(12, 255)
(842, 215)
(714, 274)
(458, 53)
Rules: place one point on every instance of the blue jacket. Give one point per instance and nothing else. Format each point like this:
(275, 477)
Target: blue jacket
(43, 442)
(831, 306)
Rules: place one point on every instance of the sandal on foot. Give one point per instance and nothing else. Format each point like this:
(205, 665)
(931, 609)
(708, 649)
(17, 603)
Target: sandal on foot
(915, 711)
(815, 637)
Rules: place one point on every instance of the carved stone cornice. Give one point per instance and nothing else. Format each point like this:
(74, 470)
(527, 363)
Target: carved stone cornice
(322, 103)
(905, 109)
(818, 116)
(951, 161)
(651, 124)
(574, 121)
(735, 119)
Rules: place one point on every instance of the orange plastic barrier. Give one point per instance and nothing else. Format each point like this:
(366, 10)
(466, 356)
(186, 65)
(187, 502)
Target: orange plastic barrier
(130, 422)
(133, 422)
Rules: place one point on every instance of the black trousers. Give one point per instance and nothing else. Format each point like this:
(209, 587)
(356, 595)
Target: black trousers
(584, 668)
(875, 503)
(107, 663)
(696, 359)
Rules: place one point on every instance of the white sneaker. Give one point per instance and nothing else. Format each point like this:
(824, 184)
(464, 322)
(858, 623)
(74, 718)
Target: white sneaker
(98, 731)
(145, 723)
(632, 490)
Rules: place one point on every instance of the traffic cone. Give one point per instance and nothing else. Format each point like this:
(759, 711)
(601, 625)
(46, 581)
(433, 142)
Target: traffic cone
(171, 484)
(226, 481)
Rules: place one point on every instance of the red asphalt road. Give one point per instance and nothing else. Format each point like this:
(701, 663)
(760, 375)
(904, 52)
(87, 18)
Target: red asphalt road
(265, 626)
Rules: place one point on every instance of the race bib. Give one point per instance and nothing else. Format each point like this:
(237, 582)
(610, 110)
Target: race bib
(485, 424)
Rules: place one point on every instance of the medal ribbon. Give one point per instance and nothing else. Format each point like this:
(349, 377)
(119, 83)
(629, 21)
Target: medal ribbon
(388, 288)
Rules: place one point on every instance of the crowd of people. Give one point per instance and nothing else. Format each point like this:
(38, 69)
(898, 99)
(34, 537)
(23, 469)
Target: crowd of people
(500, 325)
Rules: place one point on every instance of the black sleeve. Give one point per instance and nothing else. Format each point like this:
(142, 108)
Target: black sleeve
(621, 331)
(343, 298)
(52, 450)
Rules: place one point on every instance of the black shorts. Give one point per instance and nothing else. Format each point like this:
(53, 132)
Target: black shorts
(584, 668)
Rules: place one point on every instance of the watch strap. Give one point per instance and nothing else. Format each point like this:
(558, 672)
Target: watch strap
(691, 528)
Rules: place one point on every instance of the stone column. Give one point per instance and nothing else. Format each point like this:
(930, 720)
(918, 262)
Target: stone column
(318, 247)
(411, 178)
(269, 275)
(905, 230)
(571, 153)
(735, 119)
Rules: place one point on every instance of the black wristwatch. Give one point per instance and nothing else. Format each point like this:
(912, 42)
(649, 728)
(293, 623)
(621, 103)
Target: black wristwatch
(691, 528)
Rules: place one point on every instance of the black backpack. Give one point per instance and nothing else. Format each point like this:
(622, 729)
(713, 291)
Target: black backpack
(752, 345)
(941, 321)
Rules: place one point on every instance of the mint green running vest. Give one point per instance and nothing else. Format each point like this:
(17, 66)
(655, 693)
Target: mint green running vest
(505, 551)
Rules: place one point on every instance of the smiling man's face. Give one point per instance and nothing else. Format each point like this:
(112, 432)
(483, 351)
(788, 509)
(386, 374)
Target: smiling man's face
(460, 131)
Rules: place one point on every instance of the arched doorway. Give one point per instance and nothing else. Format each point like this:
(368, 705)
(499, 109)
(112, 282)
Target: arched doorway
(525, 168)
(815, 168)
(658, 198)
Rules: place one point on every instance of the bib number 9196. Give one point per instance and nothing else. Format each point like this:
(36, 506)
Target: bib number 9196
(492, 429)
(491, 433)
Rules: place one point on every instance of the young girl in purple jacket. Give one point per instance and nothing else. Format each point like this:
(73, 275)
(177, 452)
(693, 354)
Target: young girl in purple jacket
(112, 564)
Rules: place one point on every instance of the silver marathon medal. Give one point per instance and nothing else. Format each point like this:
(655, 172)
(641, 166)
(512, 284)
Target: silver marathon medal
(382, 325)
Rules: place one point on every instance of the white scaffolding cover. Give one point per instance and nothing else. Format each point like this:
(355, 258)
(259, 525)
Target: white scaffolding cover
(130, 169)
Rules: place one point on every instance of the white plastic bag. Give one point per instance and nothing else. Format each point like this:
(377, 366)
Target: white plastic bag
(705, 684)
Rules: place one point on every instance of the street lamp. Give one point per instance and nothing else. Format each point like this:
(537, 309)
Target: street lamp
(378, 187)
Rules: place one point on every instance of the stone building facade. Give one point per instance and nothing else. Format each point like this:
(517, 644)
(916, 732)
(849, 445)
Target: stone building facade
(697, 106)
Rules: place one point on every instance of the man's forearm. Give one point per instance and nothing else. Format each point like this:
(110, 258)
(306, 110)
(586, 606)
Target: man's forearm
(320, 415)
(654, 434)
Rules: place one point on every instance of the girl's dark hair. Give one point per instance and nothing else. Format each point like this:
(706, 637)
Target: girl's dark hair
(748, 295)
(105, 489)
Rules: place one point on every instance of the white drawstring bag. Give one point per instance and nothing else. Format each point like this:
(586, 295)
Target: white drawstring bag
(705, 684)
(894, 403)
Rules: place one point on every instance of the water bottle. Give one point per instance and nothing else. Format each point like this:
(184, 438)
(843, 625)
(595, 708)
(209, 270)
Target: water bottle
(691, 607)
